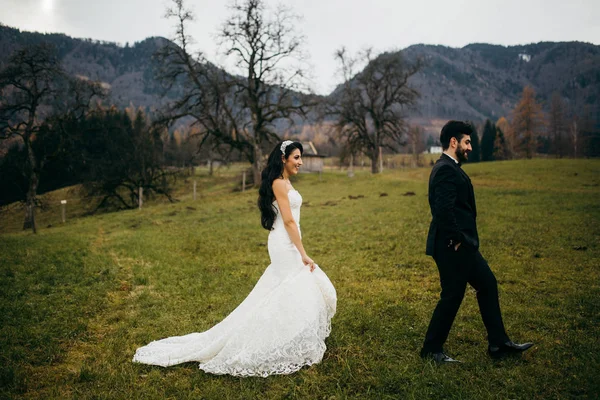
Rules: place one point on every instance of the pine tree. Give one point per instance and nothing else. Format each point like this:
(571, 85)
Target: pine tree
(475, 154)
(487, 141)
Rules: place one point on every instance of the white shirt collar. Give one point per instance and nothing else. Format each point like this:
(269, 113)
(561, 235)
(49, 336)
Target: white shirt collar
(453, 159)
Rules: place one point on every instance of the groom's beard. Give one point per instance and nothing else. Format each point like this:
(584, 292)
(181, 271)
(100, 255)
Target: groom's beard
(462, 154)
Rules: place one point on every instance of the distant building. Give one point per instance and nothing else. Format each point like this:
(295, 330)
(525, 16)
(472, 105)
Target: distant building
(525, 57)
(312, 161)
(434, 150)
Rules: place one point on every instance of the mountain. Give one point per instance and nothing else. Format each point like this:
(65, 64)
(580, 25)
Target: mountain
(475, 82)
(127, 71)
(482, 81)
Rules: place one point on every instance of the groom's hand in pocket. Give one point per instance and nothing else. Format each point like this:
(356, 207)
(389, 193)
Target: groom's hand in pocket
(453, 245)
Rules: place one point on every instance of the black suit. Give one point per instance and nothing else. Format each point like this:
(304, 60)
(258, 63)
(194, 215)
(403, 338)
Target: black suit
(454, 213)
(452, 203)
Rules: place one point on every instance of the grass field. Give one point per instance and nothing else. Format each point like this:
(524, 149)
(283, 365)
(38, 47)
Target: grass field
(77, 299)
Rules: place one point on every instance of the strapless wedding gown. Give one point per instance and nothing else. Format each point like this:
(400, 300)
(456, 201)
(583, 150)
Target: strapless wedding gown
(279, 328)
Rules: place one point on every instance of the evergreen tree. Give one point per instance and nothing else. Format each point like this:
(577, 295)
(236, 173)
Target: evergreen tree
(120, 154)
(36, 98)
(170, 150)
(487, 141)
(431, 141)
(475, 154)
(13, 182)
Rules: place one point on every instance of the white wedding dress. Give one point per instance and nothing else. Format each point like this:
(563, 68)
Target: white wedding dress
(279, 328)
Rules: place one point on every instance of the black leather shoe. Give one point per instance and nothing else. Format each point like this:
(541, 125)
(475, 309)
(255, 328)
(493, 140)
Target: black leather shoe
(508, 348)
(439, 358)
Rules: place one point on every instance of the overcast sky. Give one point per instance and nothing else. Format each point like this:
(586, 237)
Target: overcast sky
(326, 24)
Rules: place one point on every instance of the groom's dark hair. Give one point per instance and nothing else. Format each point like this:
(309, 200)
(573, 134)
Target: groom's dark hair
(455, 129)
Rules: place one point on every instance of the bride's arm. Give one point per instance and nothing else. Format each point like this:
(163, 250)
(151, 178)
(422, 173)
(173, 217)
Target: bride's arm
(281, 195)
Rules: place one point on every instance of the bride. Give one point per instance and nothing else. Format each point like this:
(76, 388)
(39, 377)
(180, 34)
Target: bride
(282, 325)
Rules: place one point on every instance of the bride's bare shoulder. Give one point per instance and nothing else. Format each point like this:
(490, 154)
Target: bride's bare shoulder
(279, 182)
(279, 185)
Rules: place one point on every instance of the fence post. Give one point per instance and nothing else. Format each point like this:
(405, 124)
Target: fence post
(243, 181)
(63, 206)
(194, 190)
(140, 201)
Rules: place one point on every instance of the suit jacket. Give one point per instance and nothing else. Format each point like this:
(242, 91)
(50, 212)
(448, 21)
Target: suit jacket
(452, 203)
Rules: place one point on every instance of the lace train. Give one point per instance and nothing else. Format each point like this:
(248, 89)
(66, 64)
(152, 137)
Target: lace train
(280, 327)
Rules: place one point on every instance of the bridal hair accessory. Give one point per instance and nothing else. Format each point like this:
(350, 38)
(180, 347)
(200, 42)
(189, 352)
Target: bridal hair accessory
(284, 145)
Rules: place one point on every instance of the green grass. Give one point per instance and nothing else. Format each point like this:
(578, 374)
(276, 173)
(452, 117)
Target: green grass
(78, 299)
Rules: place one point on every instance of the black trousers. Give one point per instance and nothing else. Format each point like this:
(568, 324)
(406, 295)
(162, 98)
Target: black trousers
(457, 268)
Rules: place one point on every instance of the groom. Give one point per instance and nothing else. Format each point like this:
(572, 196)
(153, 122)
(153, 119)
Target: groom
(454, 245)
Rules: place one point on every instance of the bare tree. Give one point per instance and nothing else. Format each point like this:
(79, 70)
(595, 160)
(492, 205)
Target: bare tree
(368, 107)
(203, 92)
(557, 125)
(582, 129)
(35, 92)
(267, 51)
(239, 112)
(415, 139)
(575, 134)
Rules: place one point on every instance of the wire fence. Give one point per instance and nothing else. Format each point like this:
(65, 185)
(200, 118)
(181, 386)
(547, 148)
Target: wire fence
(67, 204)
(64, 205)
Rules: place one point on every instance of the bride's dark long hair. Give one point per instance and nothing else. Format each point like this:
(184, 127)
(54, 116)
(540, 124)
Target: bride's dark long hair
(272, 171)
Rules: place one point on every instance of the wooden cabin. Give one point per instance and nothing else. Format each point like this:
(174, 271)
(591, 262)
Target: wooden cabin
(312, 161)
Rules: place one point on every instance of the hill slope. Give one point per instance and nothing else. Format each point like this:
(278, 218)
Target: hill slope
(127, 71)
(475, 82)
(79, 298)
(482, 81)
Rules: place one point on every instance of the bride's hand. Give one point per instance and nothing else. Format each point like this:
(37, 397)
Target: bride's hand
(308, 262)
